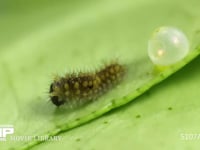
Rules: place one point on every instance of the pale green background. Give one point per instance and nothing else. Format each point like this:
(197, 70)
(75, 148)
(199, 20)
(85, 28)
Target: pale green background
(39, 38)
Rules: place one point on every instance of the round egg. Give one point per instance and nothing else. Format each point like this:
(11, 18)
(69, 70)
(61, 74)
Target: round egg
(167, 46)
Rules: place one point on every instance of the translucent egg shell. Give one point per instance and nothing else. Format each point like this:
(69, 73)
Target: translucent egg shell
(167, 46)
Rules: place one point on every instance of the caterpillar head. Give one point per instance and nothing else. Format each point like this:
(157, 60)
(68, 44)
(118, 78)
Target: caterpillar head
(55, 94)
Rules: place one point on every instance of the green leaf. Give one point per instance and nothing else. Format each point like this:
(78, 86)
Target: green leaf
(39, 39)
(166, 117)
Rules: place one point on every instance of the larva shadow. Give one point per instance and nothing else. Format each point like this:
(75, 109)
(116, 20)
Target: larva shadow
(67, 110)
(41, 106)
